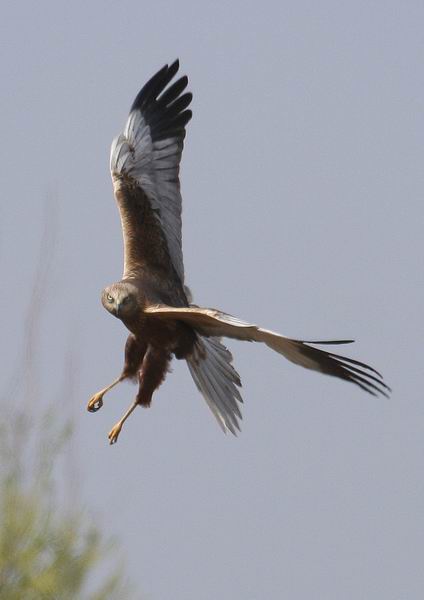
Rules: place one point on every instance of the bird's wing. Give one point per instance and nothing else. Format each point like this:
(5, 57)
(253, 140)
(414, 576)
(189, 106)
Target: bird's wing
(210, 365)
(144, 164)
(211, 322)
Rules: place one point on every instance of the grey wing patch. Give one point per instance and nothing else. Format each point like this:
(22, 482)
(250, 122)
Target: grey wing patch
(217, 380)
(149, 151)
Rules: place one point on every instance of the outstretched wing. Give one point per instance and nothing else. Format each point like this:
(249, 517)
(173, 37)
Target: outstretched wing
(211, 322)
(144, 165)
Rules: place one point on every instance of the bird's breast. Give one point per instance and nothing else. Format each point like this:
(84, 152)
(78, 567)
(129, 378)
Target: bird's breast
(173, 336)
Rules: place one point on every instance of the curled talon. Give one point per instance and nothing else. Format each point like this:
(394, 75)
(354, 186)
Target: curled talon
(95, 403)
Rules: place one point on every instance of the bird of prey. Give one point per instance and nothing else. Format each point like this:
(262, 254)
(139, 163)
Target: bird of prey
(152, 300)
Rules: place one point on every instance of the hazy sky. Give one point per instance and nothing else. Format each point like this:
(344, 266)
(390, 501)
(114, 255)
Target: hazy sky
(303, 186)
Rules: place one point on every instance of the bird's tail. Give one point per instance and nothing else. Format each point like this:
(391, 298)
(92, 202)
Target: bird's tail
(217, 380)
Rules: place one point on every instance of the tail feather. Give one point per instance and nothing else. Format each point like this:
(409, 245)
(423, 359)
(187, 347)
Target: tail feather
(217, 380)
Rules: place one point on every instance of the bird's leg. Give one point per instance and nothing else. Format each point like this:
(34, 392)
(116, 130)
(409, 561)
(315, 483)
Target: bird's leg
(151, 375)
(116, 429)
(153, 372)
(134, 354)
(96, 401)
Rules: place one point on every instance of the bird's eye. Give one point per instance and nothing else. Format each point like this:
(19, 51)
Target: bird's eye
(125, 300)
(109, 298)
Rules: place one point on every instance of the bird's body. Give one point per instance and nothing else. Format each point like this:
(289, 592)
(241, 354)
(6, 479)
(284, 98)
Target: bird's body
(152, 300)
(173, 336)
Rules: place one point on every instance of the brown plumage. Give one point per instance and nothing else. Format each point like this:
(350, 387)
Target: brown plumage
(151, 298)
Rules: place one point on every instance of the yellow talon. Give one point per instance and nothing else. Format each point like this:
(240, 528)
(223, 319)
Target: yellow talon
(95, 402)
(114, 433)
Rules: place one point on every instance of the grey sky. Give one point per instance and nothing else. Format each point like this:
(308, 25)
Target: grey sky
(303, 186)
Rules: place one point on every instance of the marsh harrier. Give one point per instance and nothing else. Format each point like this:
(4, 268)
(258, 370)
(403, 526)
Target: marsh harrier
(151, 298)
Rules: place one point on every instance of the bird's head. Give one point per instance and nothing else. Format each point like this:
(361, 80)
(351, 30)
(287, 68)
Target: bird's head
(120, 299)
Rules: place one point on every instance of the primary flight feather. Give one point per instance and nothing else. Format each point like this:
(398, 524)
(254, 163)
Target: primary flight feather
(151, 298)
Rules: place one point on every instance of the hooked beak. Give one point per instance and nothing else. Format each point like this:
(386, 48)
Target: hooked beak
(118, 306)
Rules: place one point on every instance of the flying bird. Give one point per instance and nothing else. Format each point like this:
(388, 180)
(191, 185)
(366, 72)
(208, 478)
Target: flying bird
(152, 300)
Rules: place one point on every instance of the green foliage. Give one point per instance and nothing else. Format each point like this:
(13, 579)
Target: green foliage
(45, 553)
(48, 549)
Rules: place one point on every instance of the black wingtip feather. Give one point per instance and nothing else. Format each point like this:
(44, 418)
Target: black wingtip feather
(328, 342)
(355, 362)
(164, 109)
(174, 90)
(343, 368)
(148, 87)
(173, 67)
